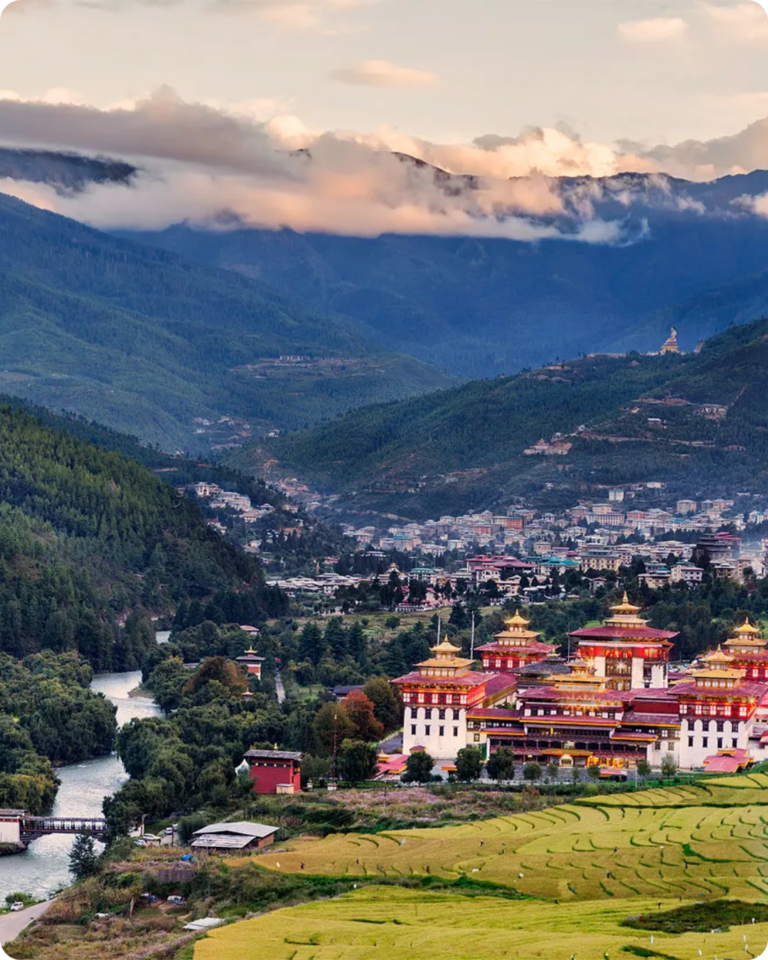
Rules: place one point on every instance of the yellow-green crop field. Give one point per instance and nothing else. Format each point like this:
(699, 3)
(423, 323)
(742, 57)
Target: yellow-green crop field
(394, 924)
(585, 865)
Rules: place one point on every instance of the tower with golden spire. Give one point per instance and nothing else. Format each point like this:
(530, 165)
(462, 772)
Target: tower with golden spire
(626, 650)
(515, 646)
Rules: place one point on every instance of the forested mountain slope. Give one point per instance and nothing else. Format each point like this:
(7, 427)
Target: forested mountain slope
(696, 420)
(88, 535)
(146, 341)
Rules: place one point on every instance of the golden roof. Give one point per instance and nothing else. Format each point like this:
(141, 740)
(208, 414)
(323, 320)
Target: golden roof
(718, 656)
(445, 647)
(625, 607)
(720, 673)
(517, 620)
(757, 642)
(747, 627)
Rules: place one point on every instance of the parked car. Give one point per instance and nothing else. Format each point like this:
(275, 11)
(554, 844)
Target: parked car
(168, 831)
(151, 837)
(16, 906)
(139, 843)
(177, 900)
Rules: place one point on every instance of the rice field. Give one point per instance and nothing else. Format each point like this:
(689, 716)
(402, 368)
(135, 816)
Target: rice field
(682, 843)
(582, 869)
(379, 922)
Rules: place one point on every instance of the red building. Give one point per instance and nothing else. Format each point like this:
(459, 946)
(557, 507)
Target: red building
(626, 650)
(514, 647)
(748, 651)
(274, 771)
(252, 663)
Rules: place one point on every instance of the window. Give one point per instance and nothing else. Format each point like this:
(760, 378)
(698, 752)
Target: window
(442, 714)
(657, 745)
(427, 730)
(670, 745)
(705, 742)
(442, 731)
(690, 741)
(456, 733)
(719, 743)
(734, 742)
(477, 735)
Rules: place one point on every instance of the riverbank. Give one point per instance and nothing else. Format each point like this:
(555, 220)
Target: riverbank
(43, 868)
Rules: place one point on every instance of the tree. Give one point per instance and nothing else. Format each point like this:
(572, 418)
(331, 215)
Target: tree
(594, 771)
(643, 768)
(332, 727)
(501, 764)
(469, 763)
(386, 703)
(553, 771)
(83, 859)
(360, 712)
(357, 761)
(668, 766)
(418, 768)
(532, 771)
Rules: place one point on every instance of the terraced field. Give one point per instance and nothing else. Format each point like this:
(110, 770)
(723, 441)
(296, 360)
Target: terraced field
(396, 924)
(581, 867)
(690, 842)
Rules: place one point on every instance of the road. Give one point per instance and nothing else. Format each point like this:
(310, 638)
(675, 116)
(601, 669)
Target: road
(11, 924)
(279, 687)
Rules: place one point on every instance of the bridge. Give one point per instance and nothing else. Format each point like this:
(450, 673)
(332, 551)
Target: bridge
(32, 828)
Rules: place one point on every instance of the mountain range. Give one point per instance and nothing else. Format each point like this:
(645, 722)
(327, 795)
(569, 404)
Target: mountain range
(212, 335)
(697, 422)
(148, 342)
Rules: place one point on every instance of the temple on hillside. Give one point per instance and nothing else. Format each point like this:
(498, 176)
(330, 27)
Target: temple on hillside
(632, 655)
(514, 647)
(252, 663)
(747, 648)
(437, 695)
(670, 344)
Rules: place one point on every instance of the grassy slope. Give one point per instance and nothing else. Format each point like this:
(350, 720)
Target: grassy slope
(383, 452)
(600, 859)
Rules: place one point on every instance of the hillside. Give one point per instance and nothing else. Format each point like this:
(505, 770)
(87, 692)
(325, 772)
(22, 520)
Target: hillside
(464, 447)
(479, 307)
(86, 536)
(148, 342)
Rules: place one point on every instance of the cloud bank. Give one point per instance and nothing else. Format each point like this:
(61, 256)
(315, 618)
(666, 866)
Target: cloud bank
(208, 165)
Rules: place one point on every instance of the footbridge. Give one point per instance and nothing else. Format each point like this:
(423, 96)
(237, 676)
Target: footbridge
(32, 828)
(18, 826)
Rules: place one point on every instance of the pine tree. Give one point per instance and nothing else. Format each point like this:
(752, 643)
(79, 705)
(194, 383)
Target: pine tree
(83, 859)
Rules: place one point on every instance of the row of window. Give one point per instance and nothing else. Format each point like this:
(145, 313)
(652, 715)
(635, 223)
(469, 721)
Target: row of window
(428, 731)
(434, 698)
(705, 742)
(441, 714)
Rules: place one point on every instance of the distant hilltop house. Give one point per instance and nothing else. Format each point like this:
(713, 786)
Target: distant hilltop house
(274, 771)
(557, 448)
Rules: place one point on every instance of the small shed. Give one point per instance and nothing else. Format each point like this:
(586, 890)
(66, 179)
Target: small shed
(226, 837)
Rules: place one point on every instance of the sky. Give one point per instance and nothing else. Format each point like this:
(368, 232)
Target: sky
(201, 92)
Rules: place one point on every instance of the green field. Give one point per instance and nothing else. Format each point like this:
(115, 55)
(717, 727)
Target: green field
(581, 869)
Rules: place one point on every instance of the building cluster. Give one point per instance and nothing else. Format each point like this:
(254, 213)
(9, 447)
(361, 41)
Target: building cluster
(614, 703)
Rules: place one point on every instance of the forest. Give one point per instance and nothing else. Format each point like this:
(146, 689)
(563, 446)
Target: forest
(88, 535)
(48, 716)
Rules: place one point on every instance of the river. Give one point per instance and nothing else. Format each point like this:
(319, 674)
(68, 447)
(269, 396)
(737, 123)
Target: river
(45, 865)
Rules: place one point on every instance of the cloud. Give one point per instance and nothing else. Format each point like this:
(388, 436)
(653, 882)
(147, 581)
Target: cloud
(745, 22)
(655, 30)
(208, 165)
(382, 73)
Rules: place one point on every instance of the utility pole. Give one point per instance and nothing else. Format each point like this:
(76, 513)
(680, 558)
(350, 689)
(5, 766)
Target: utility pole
(335, 741)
